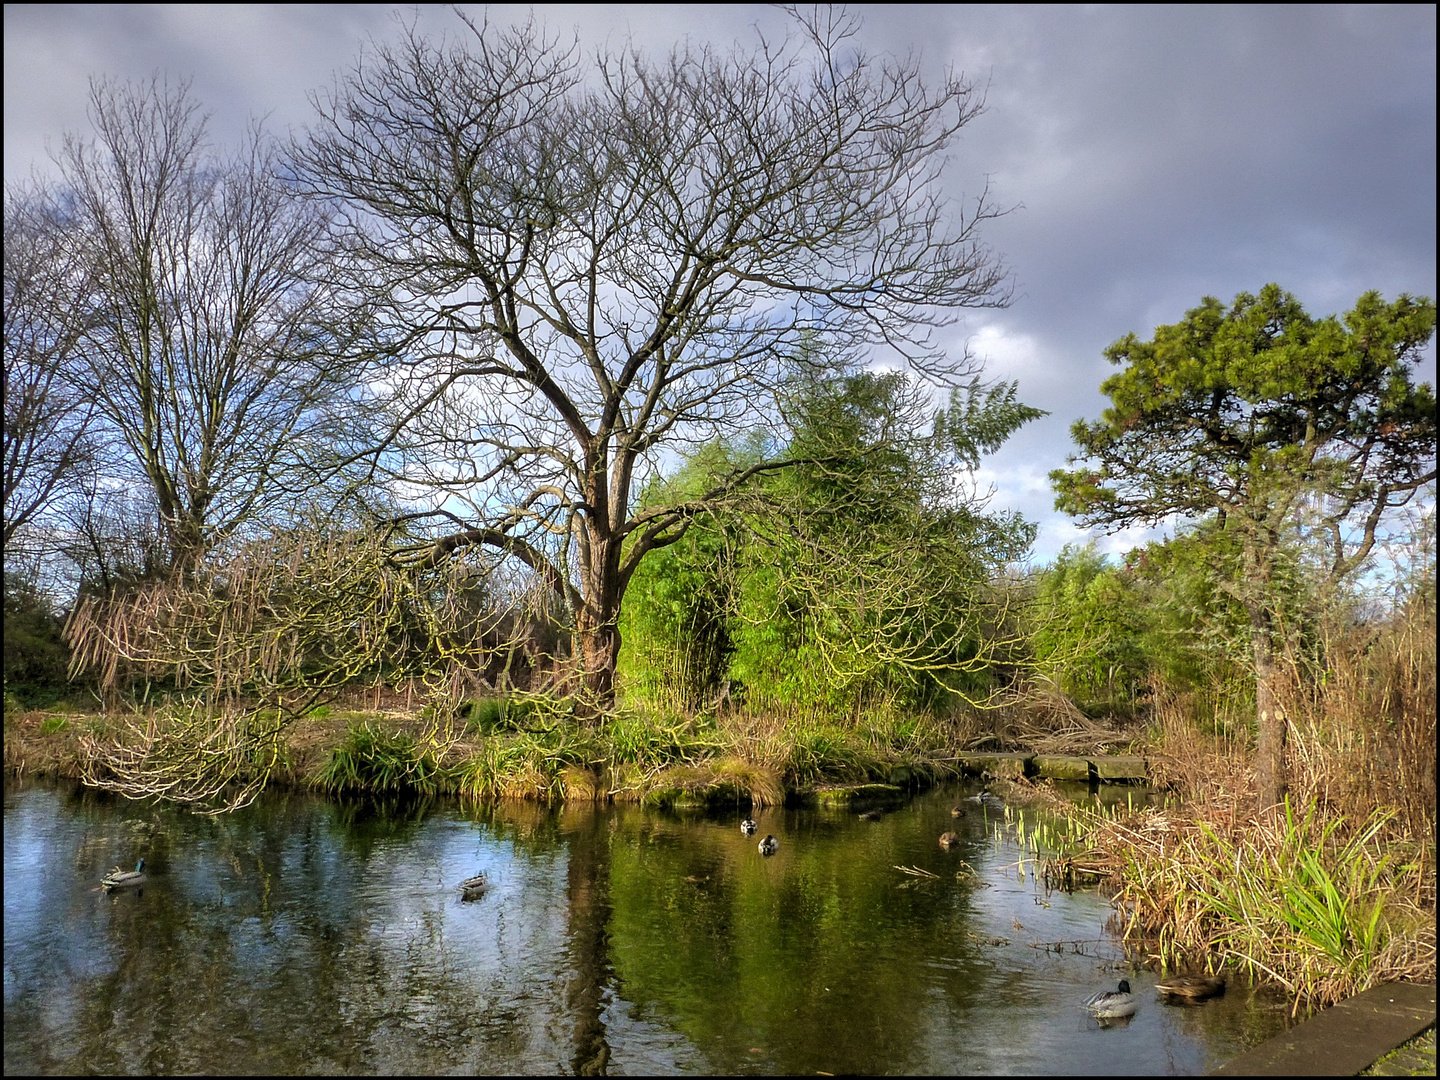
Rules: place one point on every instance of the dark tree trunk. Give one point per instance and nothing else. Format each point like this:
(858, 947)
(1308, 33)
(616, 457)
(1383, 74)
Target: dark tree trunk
(599, 652)
(597, 623)
(1270, 717)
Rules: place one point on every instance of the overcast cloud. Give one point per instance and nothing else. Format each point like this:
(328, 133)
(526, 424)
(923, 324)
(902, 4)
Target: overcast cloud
(1153, 155)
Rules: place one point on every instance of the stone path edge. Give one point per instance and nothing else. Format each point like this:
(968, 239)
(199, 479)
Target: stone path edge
(1346, 1038)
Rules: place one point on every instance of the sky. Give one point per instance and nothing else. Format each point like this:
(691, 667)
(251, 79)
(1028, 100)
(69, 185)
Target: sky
(1151, 156)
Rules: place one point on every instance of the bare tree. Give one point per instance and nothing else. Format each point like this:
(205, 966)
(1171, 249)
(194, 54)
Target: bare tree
(201, 341)
(48, 429)
(582, 265)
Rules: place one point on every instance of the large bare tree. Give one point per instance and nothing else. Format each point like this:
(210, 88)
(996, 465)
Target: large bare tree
(582, 263)
(48, 431)
(201, 341)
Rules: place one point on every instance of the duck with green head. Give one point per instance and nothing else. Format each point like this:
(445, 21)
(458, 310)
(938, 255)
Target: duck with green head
(1111, 1004)
(124, 879)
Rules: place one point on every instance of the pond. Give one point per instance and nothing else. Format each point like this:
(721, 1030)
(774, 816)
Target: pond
(302, 935)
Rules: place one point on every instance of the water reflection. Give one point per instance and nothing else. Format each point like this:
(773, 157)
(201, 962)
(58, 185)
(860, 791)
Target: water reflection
(306, 936)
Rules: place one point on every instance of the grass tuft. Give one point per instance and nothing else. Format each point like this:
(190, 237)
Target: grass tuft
(371, 759)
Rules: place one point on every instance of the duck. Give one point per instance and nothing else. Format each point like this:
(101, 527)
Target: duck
(957, 811)
(769, 845)
(747, 827)
(125, 879)
(1109, 1004)
(948, 840)
(1191, 987)
(870, 815)
(985, 798)
(474, 888)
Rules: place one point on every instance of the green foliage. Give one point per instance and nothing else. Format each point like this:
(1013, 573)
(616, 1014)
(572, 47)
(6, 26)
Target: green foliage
(1287, 439)
(674, 621)
(36, 656)
(373, 760)
(486, 716)
(1195, 634)
(821, 751)
(1087, 627)
(860, 573)
(1236, 410)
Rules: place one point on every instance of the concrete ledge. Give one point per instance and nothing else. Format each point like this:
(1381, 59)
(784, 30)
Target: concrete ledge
(844, 794)
(1344, 1039)
(1062, 767)
(1113, 768)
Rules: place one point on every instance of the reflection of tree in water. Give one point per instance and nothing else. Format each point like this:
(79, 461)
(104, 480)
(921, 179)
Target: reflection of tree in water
(249, 952)
(817, 954)
(366, 822)
(587, 884)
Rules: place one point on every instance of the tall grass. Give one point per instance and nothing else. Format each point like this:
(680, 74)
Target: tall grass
(1338, 891)
(375, 760)
(1322, 907)
(1363, 727)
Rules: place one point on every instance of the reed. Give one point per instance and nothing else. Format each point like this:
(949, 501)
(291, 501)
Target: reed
(373, 759)
(1322, 907)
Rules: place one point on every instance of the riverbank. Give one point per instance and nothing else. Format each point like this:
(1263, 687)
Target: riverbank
(1324, 903)
(534, 750)
(1321, 902)
(1415, 1058)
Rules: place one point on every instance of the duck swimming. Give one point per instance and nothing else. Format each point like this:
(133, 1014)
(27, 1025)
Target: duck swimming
(769, 845)
(125, 879)
(747, 827)
(474, 888)
(1109, 1004)
(957, 811)
(870, 815)
(948, 840)
(1189, 988)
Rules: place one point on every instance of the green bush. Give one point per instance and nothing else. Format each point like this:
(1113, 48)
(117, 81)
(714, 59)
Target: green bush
(36, 658)
(1087, 625)
(861, 574)
(377, 761)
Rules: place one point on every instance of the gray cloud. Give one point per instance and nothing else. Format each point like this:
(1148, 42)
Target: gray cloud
(1160, 154)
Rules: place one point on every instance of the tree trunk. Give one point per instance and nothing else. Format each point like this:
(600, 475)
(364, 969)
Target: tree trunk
(599, 652)
(1271, 725)
(596, 627)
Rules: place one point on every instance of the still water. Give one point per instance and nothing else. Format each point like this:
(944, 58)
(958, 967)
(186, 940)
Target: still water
(306, 936)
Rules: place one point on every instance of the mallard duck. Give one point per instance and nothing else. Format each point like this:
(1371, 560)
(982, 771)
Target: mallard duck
(957, 811)
(870, 815)
(1109, 1004)
(747, 827)
(769, 845)
(474, 888)
(125, 879)
(1191, 987)
(948, 840)
(984, 797)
